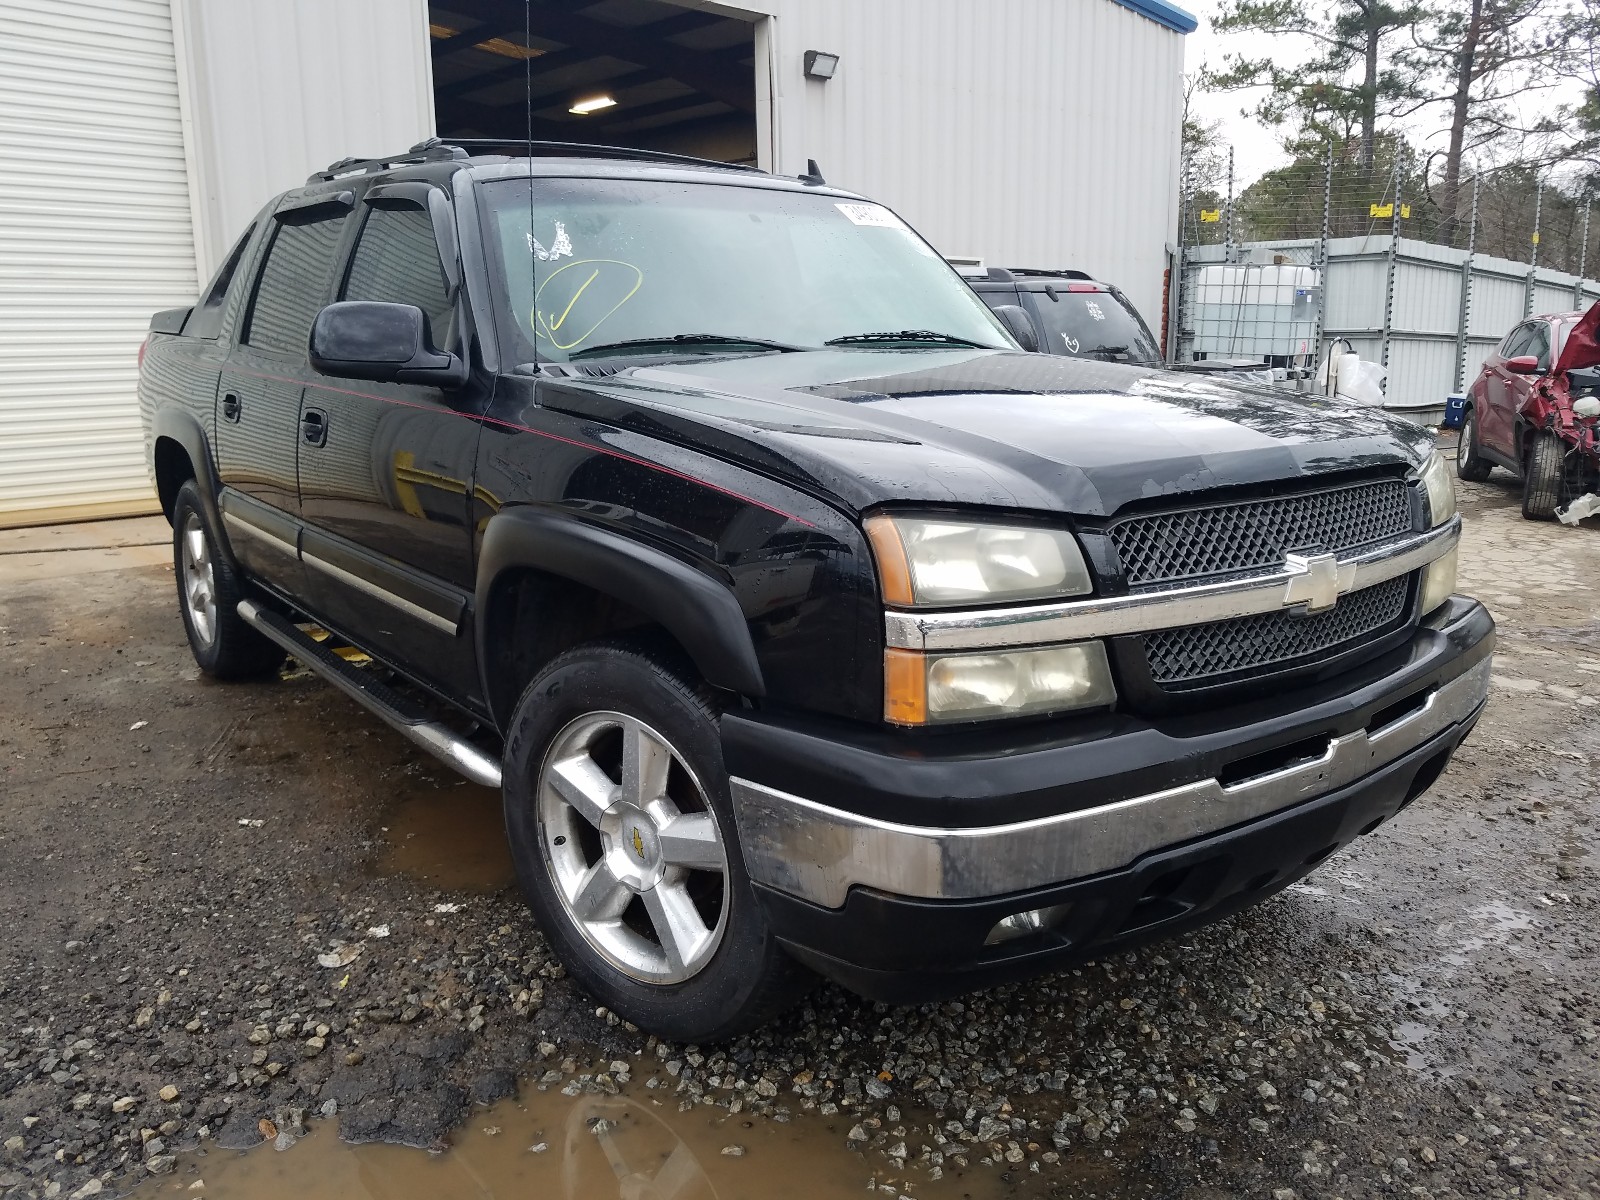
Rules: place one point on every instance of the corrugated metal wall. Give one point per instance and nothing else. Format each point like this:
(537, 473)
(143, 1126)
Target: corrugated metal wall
(94, 236)
(1426, 312)
(1032, 132)
(279, 90)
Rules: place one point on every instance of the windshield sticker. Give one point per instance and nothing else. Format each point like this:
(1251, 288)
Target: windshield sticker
(576, 299)
(1095, 310)
(1073, 344)
(560, 248)
(871, 214)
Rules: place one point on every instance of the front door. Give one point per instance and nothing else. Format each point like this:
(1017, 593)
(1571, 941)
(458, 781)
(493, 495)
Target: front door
(1499, 400)
(258, 398)
(386, 471)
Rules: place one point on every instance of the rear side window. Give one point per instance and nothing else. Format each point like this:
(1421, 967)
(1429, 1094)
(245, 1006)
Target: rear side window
(206, 320)
(397, 261)
(294, 284)
(1098, 325)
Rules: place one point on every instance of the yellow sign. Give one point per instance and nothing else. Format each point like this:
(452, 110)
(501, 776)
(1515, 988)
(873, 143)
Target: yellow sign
(1211, 215)
(1387, 210)
(1536, 239)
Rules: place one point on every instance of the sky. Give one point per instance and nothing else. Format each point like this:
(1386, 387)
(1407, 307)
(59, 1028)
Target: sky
(1257, 148)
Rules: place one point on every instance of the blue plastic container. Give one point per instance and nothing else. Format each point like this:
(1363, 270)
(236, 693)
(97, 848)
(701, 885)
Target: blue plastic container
(1455, 411)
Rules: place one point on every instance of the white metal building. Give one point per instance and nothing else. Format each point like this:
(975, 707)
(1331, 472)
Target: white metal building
(138, 137)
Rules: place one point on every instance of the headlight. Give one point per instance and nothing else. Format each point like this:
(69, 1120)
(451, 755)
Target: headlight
(935, 562)
(1438, 582)
(921, 689)
(1441, 490)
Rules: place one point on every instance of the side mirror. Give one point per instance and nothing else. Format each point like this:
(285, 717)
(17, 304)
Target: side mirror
(1020, 325)
(1523, 364)
(388, 343)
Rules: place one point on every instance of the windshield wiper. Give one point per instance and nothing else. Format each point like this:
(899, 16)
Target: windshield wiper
(1112, 351)
(905, 335)
(683, 339)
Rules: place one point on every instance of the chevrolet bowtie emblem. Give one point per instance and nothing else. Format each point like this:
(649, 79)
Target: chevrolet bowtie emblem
(1315, 581)
(638, 843)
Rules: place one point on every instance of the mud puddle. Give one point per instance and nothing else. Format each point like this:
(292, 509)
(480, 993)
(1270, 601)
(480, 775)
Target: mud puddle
(449, 834)
(636, 1145)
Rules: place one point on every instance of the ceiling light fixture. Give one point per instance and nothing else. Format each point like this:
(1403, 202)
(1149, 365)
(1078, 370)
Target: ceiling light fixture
(820, 64)
(583, 108)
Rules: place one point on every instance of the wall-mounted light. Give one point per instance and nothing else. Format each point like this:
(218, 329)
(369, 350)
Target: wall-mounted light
(593, 104)
(820, 64)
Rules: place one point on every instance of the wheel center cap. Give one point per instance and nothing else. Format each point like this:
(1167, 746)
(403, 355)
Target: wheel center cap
(632, 846)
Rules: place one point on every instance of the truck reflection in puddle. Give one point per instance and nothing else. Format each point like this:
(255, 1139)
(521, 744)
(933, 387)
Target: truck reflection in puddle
(635, 1146)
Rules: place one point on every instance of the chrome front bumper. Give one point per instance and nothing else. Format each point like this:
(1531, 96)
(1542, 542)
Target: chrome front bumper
(818, 853)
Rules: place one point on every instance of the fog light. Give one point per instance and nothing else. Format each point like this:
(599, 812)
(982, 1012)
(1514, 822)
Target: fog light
(1439, 581)
(1026, 924)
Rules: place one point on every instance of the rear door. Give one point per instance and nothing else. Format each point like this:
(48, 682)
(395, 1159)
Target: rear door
(258, 402)
(386, 469)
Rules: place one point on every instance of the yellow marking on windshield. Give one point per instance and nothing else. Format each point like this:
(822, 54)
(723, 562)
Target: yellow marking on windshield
(562, 319)
(608, 276)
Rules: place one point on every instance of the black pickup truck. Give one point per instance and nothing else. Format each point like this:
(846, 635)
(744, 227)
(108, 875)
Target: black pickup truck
(807, 623)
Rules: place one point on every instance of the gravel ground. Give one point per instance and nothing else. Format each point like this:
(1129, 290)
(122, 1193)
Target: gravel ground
(208, 939)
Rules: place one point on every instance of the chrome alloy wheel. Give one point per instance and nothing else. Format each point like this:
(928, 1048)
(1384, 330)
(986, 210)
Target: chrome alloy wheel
(199, 580)
(633, 848)
(1463, 441)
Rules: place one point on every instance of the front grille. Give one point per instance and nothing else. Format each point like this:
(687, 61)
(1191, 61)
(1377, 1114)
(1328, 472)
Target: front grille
(1248, 535)
(1200, 655)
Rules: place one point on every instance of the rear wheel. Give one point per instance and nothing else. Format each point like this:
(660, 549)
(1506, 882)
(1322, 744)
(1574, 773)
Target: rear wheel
(620, 824)
(208, 597)
(1543, 480)
(1470, 465)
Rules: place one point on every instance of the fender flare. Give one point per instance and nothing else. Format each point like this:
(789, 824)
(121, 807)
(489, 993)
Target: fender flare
(700, 612)
(183, 427)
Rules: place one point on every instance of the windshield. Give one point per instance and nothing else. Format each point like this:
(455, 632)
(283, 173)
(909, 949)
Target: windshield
(608, 261)
(1097, 325)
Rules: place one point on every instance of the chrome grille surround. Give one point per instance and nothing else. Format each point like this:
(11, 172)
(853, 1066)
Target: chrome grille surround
(1160, 549)
(1197, 655)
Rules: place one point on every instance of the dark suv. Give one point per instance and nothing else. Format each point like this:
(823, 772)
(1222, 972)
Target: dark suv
(806, 622)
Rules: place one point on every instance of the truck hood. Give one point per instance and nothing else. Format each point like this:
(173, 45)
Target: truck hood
(993, 428)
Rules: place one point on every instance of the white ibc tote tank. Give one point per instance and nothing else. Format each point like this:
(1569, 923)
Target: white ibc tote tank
(1259, 312)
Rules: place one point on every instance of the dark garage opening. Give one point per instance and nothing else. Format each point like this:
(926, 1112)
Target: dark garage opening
(677, 80)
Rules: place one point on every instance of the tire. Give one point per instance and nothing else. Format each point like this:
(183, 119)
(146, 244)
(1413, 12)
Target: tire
(1470, 465)
(1542, 481)
(599, 873)
(209, 592)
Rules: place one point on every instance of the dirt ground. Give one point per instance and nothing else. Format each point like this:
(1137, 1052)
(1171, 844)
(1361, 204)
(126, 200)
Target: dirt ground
(226, 905)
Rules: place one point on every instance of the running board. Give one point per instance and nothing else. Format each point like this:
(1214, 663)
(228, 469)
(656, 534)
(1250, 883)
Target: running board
(401, 714)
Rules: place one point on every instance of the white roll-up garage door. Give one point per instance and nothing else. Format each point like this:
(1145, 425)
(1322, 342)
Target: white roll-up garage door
(94, 236)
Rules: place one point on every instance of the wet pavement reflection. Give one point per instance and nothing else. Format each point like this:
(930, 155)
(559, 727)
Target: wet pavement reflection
(632, 1146)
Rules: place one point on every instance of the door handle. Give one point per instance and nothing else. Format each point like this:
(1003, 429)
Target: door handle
(314, 427)
(230, 407)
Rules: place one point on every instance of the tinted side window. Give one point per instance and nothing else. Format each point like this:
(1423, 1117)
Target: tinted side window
(294, 284)
(206, 320)
(397, 261)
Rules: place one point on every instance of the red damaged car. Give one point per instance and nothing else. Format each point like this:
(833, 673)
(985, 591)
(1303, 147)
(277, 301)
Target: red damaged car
(1533, 410)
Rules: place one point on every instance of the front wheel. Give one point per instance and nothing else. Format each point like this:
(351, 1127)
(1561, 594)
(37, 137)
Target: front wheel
(618, 814)
(1470, 465)
(1543, 479)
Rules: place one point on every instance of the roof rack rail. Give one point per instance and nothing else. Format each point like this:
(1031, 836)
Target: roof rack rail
(522, 147)
(1039, 272)
(432, 150)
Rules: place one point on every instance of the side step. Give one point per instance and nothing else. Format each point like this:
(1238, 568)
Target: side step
(401, 714)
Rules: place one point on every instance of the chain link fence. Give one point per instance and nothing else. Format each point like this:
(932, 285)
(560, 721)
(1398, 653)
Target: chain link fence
(1422, 275)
